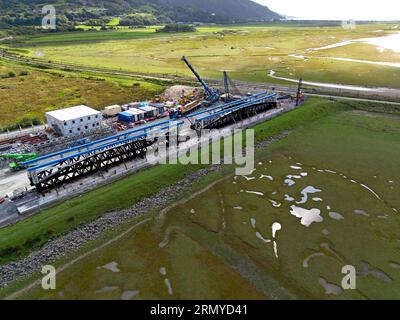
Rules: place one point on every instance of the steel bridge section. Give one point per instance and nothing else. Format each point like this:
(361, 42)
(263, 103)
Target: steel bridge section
(116, 138)
(82, 165)
(226, 106)
(238, 115)
(99, 159)
(235, 114)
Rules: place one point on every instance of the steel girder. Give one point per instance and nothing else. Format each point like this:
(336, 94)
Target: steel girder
(83, 165)
(238, 115)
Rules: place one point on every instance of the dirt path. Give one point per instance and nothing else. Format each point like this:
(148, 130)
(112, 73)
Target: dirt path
(69, 264)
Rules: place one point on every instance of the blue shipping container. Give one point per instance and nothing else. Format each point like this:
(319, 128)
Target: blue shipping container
(126, 117)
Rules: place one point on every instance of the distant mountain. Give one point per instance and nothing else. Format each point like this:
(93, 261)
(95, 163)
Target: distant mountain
(216, 10)
(136, 12)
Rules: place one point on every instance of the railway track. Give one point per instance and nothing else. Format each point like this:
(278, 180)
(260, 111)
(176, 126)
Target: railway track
(36, 62)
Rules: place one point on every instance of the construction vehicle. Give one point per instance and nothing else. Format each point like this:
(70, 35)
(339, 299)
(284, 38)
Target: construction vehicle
(212, 95)
(182, 111)
(17, 159)
(156, 99)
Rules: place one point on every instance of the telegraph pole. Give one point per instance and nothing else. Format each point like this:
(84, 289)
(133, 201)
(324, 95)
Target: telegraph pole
(299, 92)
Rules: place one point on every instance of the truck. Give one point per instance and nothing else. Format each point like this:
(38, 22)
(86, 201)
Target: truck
(182, 111)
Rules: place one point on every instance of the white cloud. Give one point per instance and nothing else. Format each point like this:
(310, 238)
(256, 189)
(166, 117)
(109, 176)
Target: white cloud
(337, 9)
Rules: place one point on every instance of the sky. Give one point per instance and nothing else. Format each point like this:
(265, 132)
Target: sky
(336, 9)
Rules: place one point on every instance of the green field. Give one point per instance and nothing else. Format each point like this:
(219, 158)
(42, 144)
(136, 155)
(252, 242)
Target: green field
(211, 247)
(31, 92)
(247, 52)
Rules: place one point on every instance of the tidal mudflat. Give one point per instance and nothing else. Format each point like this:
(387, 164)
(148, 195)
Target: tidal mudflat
(330, 199)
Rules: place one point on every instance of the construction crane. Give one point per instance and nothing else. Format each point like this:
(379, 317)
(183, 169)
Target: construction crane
(17, 159)
(229, 94)
(212, 95)
(226, 85)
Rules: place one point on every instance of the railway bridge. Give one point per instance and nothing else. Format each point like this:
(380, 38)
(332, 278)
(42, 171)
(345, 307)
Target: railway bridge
(57, 169)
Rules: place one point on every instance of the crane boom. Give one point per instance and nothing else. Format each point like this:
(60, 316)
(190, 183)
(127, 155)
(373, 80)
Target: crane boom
(226, 85)
(212, 95)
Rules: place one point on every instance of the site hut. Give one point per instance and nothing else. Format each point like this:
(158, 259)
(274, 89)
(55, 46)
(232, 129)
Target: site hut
(74, 121)
(112, 111)
(131, 105)
(159, 106)
(131, 116)
(151, 112)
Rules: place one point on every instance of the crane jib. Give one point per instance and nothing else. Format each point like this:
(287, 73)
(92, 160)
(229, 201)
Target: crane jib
(209, 91)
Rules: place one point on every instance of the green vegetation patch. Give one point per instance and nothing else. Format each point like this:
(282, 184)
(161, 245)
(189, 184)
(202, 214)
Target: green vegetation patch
(174, 28)
(27, 93)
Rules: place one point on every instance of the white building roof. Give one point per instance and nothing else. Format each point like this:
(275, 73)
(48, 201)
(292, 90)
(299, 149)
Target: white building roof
(148, 108)
(136, 111)
(116, 106)
(73, 113)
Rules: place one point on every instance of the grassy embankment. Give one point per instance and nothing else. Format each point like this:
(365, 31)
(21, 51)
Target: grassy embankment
(21, 238)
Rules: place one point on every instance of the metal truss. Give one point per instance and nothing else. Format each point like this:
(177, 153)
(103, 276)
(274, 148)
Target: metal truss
(82, 165)
(237, 115)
